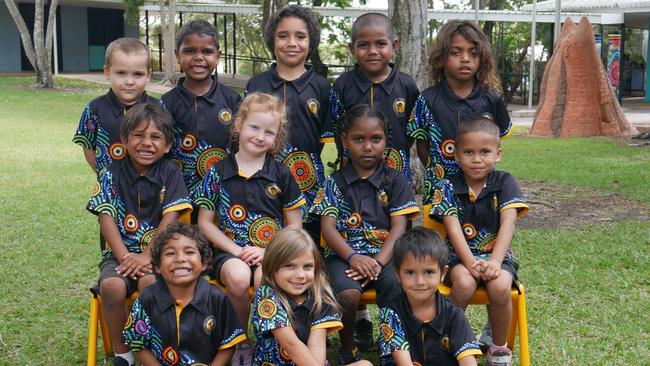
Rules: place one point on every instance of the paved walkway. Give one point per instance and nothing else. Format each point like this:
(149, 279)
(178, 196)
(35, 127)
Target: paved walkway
(636, 109)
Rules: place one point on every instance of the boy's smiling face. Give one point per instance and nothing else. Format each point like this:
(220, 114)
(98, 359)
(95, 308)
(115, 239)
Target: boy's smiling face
(128, 74)
(145, 145)
(477, 154)
(420, 278)
(180, 262)
(373, 50)
(198, 56)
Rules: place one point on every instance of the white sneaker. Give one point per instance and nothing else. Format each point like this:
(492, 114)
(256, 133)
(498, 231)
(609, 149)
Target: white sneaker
(243, 355)
(501, 356)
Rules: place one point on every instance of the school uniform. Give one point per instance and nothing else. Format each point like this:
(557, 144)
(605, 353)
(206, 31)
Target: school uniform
(443, 340)
(395, 97)
(99, 127)
(363, 209)
(182, 334)
(306, 99)
(201, 128)
(436, 116)
(480, 215)
(249, 210)
(269, 314)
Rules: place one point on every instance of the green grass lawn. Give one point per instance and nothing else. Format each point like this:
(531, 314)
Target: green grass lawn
(588, 288)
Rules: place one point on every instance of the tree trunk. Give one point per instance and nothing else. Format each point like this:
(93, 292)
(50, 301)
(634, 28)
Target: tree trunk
(409, 17)
(168, 26)
(39, 52)
(518, 69)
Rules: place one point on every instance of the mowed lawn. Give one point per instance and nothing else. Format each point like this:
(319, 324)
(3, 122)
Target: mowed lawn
(588, 287)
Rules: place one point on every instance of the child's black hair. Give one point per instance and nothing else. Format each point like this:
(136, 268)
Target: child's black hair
(349, 117)
(151, 113)
(483, 123)
(313, 27)
(177, 229)
(420, 242)
(200, 27)
(368, 19)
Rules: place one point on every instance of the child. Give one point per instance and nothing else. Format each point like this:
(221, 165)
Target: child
(294, 308)
(422, 327)
(251, 195)
(478, 209)
(292, 35)
(133, 197)
(181, 319)
(364, 208)
(202, 107)
(127, 68)
(376, 81)
(465, 85)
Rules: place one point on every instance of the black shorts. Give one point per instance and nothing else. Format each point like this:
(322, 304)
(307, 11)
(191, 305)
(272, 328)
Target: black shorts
(218, 259)
(107, 269)
(509, 265)
(386, 285)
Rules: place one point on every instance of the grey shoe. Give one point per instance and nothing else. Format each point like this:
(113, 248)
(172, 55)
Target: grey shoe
(363, 334)
(120, 361)
(243, 355)
(485, 339)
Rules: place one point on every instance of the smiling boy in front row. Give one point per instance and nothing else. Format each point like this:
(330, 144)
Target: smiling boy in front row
(422, 327)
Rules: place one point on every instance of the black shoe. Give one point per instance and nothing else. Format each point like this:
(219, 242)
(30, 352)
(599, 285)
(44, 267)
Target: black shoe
(346, 358)
(387, 361)
(363, 335)
(120, 361)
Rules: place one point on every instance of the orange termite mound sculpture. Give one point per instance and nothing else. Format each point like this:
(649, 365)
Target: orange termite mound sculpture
(575, 97)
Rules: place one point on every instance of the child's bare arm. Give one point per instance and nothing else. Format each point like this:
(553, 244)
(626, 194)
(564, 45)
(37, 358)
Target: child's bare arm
(111, 233)
(317, 345)
(223, 356)
(293, 218)
(397, 228)
(458, 242)
(218, 239)
(90, 158)
(402, 358)
(467, 361)
(364, 265)
(422, 147)
(502, 242)
(297, 351)
(146, 358)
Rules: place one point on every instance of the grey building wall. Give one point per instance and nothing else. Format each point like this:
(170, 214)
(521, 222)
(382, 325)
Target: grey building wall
(74, 42)
(9, 42)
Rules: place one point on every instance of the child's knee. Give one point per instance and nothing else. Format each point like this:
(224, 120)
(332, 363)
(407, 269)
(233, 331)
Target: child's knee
(462, 280)
(237, 282)
(349, 299)
(500, 288)
(112, 289)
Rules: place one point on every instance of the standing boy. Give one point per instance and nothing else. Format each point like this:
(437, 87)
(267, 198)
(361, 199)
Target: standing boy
(126, 66)
(479, 209)
(375, 81)
(422, 327)
(202, 108)
(132, 198)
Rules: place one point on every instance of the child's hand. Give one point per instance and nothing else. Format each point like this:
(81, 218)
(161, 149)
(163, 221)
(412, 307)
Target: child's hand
(490, 270)
(476, 269)
(252, 255)
(365, 266)
(134, 265)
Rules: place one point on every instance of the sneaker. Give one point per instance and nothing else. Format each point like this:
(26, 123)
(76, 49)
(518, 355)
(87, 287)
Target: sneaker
(243, 355)
(485, 339)
(501, 356)
(120, 361)
(363, 334)
(346, 358)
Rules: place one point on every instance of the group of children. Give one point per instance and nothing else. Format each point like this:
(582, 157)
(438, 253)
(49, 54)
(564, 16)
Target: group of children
(249, 173)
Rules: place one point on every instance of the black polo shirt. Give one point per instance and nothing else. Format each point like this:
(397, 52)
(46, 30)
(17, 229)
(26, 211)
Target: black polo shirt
(99, 127)
(138, 202)
(307, 101)
(201, 128)
(395, 97)
(182, 334)
(269, 313)
(444, 340)
(250, 210)
(436, 116)
(479, 216)
(363, 207)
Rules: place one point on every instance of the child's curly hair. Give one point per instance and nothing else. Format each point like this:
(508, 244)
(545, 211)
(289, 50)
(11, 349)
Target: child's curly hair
(175, 230)
(265, 103)
(486, 73)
